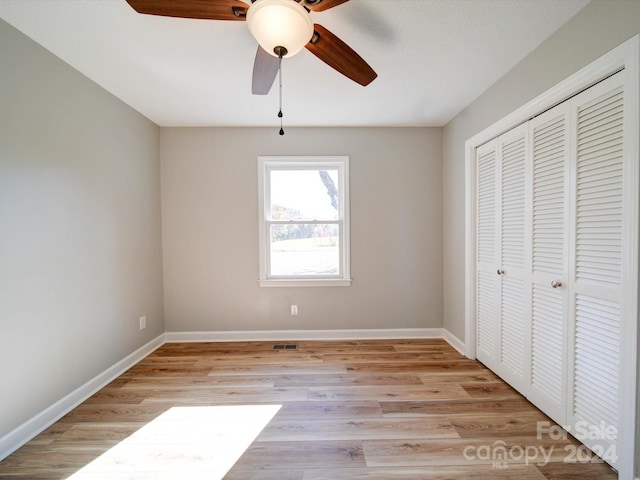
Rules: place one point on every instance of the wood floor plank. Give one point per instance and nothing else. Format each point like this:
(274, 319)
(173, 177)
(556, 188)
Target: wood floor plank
(285, 368)
(397, 357)
(276, 358)
(44, 460)
(359, 429)
(468, 472)
(425, 347)
(106, 433)
(311, 348)
(56, 475)
(474, 376)
(416, 367)
(328, 409)
(223, 395)
(497, 425)
(362, 379)
(114, 413)
(289, 474)
(358, 410)
(169, 370)
(153, 383)
(208, 348)
(507, 407)
(50, 434)
(578, 471)
(489, 390)
(382, 393)
(310, 454)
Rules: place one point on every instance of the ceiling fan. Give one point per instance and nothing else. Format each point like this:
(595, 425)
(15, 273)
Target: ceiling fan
(281, 27)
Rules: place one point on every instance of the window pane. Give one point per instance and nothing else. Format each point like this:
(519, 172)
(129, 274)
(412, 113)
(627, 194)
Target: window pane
(304, 194)
(304, 250)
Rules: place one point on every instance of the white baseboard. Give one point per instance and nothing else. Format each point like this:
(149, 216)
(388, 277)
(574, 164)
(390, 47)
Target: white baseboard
(454, 341)
(20, 435)
(283, 335)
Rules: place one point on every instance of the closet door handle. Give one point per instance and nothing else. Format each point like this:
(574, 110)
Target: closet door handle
(500, 271)
(556, 284)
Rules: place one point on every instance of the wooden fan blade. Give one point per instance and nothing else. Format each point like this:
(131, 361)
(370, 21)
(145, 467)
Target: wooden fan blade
(265, 69)
(205, 9)
(338, 55)
(322, 5)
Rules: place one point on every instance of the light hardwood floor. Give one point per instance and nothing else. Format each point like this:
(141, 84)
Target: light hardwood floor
(389, 410)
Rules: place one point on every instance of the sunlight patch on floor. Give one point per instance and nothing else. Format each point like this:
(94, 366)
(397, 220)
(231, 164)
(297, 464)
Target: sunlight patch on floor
(184, 442)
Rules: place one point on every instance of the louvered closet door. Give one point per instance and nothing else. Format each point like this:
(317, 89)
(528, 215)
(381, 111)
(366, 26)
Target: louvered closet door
(512, 214)
(487, 256)
(598, 232)
(549, 156)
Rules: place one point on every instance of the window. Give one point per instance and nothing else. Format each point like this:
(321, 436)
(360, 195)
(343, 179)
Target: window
(304, 221)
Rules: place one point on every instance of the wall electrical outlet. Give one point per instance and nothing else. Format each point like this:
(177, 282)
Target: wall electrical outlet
(294, 309)
(143, 322)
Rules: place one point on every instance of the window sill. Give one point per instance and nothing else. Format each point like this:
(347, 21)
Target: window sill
(307, 282)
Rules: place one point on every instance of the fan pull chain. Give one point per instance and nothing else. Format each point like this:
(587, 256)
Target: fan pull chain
(280, 93)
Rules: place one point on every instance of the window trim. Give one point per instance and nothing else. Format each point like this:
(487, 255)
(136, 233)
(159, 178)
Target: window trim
(266, 163)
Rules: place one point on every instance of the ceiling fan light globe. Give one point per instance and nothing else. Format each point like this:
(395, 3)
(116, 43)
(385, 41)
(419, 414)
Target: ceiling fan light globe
(280, 23)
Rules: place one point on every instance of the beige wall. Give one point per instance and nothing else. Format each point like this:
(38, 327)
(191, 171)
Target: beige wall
(210, 230)
(80, 249)
(596, 29)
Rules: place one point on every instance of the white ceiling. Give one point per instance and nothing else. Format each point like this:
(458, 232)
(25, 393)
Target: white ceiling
(433, 57)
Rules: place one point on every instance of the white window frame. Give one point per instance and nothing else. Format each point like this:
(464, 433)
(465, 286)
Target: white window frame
(268, 163)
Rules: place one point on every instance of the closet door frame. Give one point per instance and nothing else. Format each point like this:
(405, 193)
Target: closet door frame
(627, 57)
